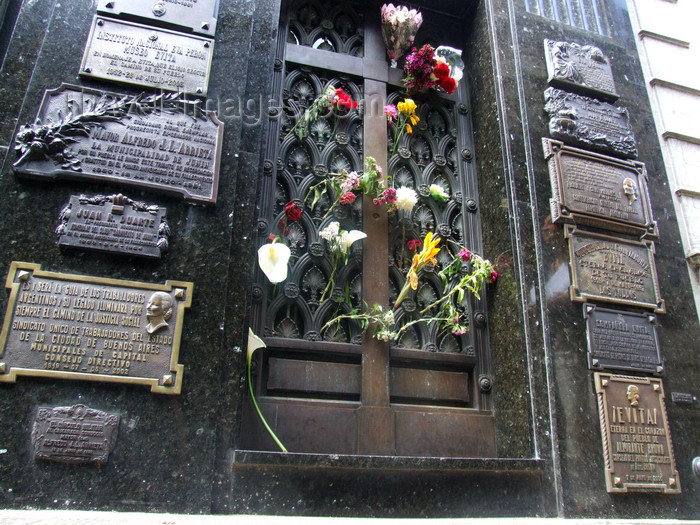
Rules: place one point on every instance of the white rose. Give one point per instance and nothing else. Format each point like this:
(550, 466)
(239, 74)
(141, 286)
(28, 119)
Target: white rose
(406, 198)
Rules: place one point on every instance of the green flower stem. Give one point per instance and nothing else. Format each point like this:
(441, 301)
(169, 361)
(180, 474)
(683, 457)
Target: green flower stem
(331, 279)
(262, 418)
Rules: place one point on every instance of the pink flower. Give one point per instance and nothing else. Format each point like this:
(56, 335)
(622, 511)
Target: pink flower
(494, 276)
(347, 198)
(391, 113)
(389, 195)
(465, 255)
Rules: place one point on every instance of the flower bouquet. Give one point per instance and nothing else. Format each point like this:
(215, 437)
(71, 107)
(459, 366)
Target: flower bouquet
(439, 68)
(399, 28)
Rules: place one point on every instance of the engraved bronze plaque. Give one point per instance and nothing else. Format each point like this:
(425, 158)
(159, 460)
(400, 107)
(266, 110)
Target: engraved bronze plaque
(145, 56)
(597, 190)
(82, 327)
(161, 142)
(195, 16)
(622, 340)
(113, 224)
(590, 123)
(76, 434)
(683, 398)
(606, 268)
(583, 69)
(636, 440)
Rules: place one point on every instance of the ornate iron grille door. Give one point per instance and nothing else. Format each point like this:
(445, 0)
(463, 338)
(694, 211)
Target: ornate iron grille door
(343, 391)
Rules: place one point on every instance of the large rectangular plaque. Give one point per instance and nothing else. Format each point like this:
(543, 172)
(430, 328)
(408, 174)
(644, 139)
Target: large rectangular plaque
(161, 142)
(590, 123)
(584, 69)
(622, 340)
(598, 190)
(82, 327)
(113, 224)
(636, 440)
(145, 56)
(614, 270)
(195, 16)
(76, 434)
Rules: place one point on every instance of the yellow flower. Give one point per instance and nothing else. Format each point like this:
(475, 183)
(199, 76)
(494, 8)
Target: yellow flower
(407, 107)
(427, 255)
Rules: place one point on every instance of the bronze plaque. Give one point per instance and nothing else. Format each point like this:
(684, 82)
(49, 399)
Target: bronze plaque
(195, 16)
(161, 142)
(636, 440)
(113, 224)
(590, 123)
(584, 69)
(82, 327)
(622, 340)
(613, 270)
(76, 434)
(145, 56)
(597, 190)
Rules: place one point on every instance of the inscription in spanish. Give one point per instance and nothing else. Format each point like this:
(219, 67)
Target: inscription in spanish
(590, 123)
(154, 58)
(113, 224)
(622, 340)
(636, 439)
(614, 270)
(597, 190)
(197, 16)
(76, 434)
(580, 68)
(83, 327)
(162, 142)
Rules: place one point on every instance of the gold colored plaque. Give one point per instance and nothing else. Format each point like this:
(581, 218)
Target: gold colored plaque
(636, 439)
(612, 269)
(89, 328)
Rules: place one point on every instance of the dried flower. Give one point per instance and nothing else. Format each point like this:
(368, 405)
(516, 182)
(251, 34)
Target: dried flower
(292, 211)
(414, 244)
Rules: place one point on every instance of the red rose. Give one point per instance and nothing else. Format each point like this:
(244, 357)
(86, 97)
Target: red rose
(494, 276)
(441, 71)
(449, 85)
(292, 211)
(347, 198)
(344, 99)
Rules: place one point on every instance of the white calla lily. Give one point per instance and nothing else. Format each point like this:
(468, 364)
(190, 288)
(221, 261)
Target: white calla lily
(348, 238)
(273, 258)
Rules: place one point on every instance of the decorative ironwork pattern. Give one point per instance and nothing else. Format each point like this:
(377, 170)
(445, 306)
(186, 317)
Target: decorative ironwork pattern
(331, 26)
(425, 157)
(295, 308)
(584, 14)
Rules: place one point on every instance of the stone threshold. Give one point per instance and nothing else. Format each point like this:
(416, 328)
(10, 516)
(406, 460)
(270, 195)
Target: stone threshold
(73, 517)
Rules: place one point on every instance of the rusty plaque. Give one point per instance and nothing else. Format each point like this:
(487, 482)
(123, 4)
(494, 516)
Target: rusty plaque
(82, 327)
(160, 142)
(614, 270)
(145, 56)
(590, 123)
(636, 440)
(195, 16)
(584, 69)
(76, 434)
(113, 224)
(622, 340)
(598, 190)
